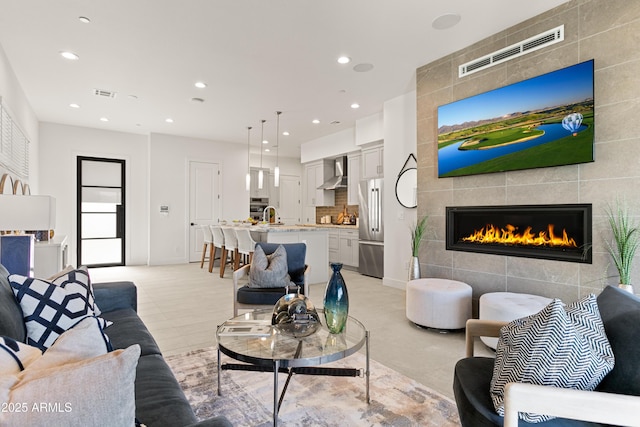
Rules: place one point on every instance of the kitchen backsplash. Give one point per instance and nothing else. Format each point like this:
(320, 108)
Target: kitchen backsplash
(340, 203)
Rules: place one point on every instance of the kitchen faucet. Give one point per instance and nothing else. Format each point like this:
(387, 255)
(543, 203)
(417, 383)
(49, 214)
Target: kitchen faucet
(265, 213)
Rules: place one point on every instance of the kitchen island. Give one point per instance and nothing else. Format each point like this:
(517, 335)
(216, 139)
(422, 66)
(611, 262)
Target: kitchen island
(315, 236)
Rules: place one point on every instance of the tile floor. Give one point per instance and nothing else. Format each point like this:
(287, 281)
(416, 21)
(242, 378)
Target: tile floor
(182, 305)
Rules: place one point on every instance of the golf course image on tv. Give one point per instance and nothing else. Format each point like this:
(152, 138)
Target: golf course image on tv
(539, 122)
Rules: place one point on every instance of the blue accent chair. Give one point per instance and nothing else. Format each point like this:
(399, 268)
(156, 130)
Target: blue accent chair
(245, 297)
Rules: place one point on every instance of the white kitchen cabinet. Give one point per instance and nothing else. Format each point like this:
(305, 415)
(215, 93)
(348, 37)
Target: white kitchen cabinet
(353, 178)
(316, 173)
(348, 247)
(334, 246)
(372, 162)
(254, 191)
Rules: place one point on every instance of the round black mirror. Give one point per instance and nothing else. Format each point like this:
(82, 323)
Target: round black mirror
(407, 188)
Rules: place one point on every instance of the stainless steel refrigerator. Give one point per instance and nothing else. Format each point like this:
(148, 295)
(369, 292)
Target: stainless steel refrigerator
(371, 228)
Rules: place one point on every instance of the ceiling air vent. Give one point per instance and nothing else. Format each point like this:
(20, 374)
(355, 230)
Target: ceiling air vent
(531, 44)
(104, 93)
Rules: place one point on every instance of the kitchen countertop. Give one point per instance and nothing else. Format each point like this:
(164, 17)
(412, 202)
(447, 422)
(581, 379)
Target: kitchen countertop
(301, 227)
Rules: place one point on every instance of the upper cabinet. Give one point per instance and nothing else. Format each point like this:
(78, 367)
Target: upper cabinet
(372, 166)
(353, 178)
(315, 174)
(254, 191)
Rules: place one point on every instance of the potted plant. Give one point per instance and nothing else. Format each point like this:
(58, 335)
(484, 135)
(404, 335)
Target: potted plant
(626, 239)
(417, 234)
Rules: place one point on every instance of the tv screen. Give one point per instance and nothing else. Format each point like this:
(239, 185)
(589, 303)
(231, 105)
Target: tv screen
(540, 122)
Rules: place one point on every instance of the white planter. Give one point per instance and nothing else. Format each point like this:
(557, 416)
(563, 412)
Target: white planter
(628, 288)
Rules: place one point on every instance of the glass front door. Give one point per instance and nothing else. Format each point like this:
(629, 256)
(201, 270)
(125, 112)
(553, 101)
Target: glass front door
(101, 211)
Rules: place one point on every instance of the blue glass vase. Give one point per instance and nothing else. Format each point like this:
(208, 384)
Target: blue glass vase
(336, 301)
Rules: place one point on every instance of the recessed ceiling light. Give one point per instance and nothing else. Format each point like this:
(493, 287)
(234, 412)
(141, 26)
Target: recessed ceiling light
(84, 19)
(74, 106)
(200, 85)
(285, 133)
(69, 55)
(265, 141)
(445, 21)
(355, 105)
(315, 121)
(363, 68)
(169, 120)
(266, 150)
(104, 119)
(344, 60)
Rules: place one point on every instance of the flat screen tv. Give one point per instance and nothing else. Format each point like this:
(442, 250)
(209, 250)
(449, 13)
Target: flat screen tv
(540, 122)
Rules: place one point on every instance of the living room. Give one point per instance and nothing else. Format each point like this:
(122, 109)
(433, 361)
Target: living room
(605, 31)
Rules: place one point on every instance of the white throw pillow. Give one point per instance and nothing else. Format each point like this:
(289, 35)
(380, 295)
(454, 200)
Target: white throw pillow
(15, 356)
(91, 392)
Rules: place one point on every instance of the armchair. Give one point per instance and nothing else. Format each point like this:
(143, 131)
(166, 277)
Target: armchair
(615, 401)
(246, 297)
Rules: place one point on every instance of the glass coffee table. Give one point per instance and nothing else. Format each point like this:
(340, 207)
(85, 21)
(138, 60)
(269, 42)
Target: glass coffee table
(250, 338)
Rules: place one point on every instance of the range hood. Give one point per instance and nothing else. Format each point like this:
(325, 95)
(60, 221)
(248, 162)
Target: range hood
(339, 179)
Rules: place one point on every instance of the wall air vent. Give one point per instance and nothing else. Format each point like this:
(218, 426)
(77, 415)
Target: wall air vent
(531, 44)
(104, 93)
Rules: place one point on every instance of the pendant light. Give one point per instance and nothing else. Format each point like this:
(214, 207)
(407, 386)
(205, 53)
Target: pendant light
(276, 171)
(248, 177)
(260, 173)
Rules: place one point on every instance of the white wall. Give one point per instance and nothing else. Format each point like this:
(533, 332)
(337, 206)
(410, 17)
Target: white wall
(15, 100)
(60, 145)
(399, 142)
(370, 129)
(169, 158)
(329, 146)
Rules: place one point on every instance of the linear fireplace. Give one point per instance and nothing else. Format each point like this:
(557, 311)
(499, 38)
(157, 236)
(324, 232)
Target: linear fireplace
(557, 232)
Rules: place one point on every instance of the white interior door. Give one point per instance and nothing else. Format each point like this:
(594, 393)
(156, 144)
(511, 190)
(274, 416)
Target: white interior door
(204, 203)
(290, 210)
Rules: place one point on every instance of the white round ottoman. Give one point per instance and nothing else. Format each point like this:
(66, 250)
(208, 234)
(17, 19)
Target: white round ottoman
(438, 303)
(508, 306)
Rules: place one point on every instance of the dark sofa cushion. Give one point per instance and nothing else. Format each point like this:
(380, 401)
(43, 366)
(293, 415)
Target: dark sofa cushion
(262, 296)
(11, 320)
(128, 329)
(159, 398)
(620, 312)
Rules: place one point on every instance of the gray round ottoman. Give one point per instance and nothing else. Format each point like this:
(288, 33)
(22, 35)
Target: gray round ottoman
(438, 303)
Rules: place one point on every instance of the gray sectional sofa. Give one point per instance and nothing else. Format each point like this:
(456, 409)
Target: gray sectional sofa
(159, 398)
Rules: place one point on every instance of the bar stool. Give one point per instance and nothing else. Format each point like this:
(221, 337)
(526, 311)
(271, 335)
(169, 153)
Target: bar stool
(218, 243)
(246, 244)
(207, 239)
(230, 249)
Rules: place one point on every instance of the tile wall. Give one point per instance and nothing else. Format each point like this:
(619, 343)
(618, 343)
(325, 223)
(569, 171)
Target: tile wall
(340, 203)
(607, 31)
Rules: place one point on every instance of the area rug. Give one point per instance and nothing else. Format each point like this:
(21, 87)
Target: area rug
(247, 397)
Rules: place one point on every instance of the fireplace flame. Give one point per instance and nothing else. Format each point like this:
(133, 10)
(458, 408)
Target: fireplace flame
(509, 235)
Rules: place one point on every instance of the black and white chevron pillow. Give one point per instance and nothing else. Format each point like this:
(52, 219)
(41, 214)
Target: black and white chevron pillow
(560, 346)
(50, 309)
